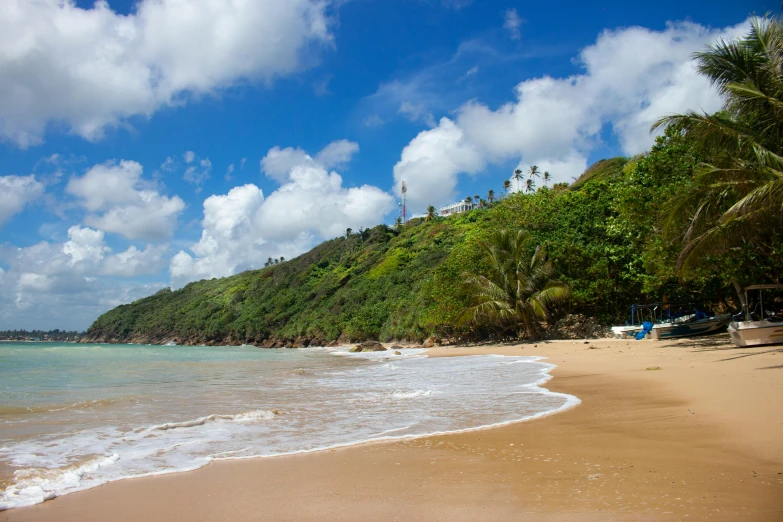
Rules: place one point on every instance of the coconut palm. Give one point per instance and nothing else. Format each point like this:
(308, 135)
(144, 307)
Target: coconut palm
(530, 185)
(518, 291)
(517, 176)
(546, 177)
(468, 201)
(430, 214)
(398, 222)
(533, 172)
(507, 185)
(739, 189)
(482, 203)
(491, 196)
(348, 232)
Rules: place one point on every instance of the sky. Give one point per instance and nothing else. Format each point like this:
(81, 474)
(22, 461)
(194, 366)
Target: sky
(149, 144)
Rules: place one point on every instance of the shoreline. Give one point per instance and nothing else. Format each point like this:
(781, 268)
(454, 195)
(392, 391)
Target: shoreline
(700, 433)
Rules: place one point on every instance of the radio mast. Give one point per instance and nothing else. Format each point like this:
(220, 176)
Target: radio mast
(403, 205)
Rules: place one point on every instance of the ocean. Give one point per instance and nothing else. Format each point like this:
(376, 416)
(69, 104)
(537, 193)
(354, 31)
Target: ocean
(75, 416)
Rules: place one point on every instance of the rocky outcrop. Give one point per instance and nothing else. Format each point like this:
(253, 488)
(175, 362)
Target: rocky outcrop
(577, 326)
(368, 346)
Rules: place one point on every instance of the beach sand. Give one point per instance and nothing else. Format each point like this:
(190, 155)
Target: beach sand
(699, 439)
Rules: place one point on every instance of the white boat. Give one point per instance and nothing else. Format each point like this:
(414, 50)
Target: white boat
(626, 332)
(689, 326)
(760, 327)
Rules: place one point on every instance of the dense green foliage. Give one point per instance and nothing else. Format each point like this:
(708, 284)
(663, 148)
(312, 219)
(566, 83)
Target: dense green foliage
(406, 282)
(735, 201)
(518, 291)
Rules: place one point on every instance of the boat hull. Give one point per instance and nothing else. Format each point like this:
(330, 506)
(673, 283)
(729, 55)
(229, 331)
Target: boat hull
(626, 332)
(756, 333)
(689, 329)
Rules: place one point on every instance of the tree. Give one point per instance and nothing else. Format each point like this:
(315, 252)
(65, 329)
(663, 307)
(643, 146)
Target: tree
(517, 176)
(533, 172)
(398, 222)
(268, 262)
(469, 201)
(491, 196)
(518, 291)
(282, 259)
(546, 177)
(431, 214)
(507, 185)
(530, 185)
(736, 197)
(476, 198)
(348, 232)
(482, 203)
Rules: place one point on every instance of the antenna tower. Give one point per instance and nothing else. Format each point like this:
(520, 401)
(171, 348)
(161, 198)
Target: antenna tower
(403, 205)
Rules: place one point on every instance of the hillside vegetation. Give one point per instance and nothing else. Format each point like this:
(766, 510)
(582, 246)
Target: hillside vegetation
(406, 282)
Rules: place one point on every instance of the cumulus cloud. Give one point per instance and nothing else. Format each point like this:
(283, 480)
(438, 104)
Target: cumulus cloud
(55, 285)
(15, 193)
(89, 69)
(242, 229)
(417, 113)
(278, 163)
(631, 78)
(121, 202)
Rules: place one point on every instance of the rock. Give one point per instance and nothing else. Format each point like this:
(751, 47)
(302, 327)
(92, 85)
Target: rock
(368, 346)
(430, 342)
(654, 368)
(577, 326)
(396, 347)
(333, 344)
(397, 352)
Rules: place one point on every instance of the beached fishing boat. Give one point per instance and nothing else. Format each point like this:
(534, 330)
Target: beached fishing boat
(662, 323)
(690, 325)
(761, 326)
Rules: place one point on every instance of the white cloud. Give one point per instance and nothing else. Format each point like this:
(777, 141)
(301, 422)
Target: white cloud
(93, 68)
(631, 78)
(229, 173)
(337, 154)
(189, 156)
(512, 23)
(373, 121)
(242, 229)
(431, 161)
(417, 113)
(15, 193)
(55, 285)
(131, 207)
(198, 173)
(278, 163)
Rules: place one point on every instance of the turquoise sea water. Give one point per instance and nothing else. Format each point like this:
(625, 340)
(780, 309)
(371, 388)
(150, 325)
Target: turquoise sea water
(76, 416)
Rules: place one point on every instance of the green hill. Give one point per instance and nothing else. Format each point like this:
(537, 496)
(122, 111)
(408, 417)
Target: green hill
(387, 283)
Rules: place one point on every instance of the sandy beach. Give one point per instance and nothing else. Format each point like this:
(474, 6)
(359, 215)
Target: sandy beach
(700, 438)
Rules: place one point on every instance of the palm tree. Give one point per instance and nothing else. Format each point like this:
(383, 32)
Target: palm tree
(518, 291)
(348, 232)
(268, 262)
(468, 202)
(282, 259)
(739, 190)
(430, 214)
(517, 176)
(482, 203)
(546, 177)
(476, 198)
(530, 185)
(507, 185)
(398, 222)
(491, 196)
(533, 172)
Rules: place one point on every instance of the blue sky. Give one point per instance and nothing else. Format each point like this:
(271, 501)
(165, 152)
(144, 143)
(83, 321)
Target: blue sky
(149, 144)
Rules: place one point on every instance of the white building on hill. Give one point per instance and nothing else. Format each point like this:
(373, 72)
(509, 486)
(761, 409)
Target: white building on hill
(456, 208)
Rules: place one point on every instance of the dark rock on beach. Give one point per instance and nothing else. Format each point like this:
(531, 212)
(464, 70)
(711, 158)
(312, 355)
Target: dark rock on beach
(368, 346)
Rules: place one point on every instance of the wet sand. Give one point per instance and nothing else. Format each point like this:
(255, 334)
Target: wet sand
(699, 439)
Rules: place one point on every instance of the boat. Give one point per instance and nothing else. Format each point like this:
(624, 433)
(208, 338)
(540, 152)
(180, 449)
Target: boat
(663, 324)
(690, 325)
(761, 326)
(639, 314)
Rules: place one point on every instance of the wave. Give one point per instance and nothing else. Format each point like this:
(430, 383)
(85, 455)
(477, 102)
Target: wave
(341, 403)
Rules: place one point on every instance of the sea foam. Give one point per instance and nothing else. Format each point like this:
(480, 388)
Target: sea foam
(261, 406)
